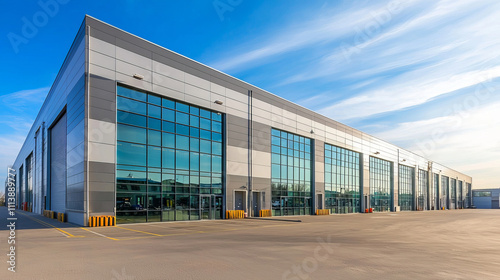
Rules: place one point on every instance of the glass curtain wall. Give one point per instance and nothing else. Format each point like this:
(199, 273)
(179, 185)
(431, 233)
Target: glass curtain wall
(423, 179)
(169, 159)
(342, 180)
(291, 174)
(435, 200)
(381, 184)
(444, 199)
(460, 198)
(467, 195)
(453, 193)
(406, 186)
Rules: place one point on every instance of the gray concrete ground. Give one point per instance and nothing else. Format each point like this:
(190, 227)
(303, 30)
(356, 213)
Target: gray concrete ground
(458, 244)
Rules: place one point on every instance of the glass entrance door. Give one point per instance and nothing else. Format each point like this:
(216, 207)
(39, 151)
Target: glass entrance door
(206, 207)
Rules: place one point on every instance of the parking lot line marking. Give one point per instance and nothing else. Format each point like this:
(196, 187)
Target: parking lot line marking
(140, 231)
(67, 234)
(100, 234)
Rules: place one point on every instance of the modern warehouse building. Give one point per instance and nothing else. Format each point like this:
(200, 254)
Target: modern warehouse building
(133, 130)
(486, 198)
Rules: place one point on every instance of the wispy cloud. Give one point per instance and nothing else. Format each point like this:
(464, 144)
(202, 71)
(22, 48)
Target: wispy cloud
(408, 91)
(468, 141)
(19, 110)
(23, 100)
(325, 28)
(359, 64)
(8, 155)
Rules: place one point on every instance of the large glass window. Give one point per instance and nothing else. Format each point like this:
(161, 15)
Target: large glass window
(481, 194)
(381, 184)
(161, 170)
(406, 186)
(467, 196)
(444, 198)
(291, 174)
(423, 182)
(460, 198)
(453, 193)
(342, 180)
(435, 193)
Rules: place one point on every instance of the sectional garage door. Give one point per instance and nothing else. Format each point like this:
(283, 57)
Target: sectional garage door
(58, 165)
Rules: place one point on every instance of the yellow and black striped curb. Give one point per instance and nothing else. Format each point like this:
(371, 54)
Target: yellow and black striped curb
(49, 214)
(61, 217)
(323, 212)
(235, 214)
(102, 221)
(265, 213)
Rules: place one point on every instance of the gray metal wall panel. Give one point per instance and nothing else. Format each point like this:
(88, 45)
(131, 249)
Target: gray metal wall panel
(66, 91)
(482, 202)
(101, 167)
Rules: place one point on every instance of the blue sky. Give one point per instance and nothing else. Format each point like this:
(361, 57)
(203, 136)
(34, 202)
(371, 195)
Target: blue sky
(424, 75)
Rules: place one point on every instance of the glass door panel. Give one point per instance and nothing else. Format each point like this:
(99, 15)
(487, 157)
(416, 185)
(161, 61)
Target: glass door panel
(206, 207)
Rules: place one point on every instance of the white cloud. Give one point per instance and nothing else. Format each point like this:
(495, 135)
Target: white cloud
(12, 145)
(325, 28)
(468, 141)
(406, 92)
(23, 100)
(16, 118)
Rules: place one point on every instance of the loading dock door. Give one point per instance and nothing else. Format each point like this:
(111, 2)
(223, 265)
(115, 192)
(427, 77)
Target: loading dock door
(256, 204)
(58, 166)
(238, 200)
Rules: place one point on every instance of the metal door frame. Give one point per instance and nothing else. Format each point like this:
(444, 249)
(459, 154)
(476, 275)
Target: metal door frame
(211, 207)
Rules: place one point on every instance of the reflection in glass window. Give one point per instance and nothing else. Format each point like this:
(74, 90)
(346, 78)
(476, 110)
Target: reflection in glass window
(161, 138)
(129, 118)
(460, 195)
(291, 191)
(406, 185)
(131, 134)
(130, 93)
(154, 111)
(453, 193)
(444, 199)
(423, 177)
(381, 184)
(130, 105)
(130, 154)
(342, 180)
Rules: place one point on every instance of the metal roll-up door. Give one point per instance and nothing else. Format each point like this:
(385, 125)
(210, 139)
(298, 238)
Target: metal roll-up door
(58, 138)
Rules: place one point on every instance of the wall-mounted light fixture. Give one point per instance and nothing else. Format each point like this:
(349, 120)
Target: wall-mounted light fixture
(377, 153)
(218, 102)
(138, 76)
(312, 131)
(403, 160)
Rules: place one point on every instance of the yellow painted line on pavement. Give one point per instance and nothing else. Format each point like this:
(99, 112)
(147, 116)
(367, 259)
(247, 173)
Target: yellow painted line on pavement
(49, 225)
(99, 234)
(172, 234)
(141, 231)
